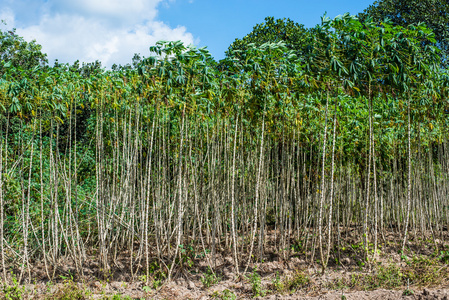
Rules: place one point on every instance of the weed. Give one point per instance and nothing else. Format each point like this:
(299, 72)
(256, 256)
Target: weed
(277, 283)
(14, 291)
(298, 281)
(296, 247)
(424, 271)
(405, 258)
(421, 271)
(256, 284)
(187, 253)
(203, 253)
(388, 277)
(157, 278)
(118, 297)
(143, 278)
(71, 291)
(444, 256)
(337, 284)
(157, 284)
(224, 295)
(407, 292)
(48, 285)
(209, 279)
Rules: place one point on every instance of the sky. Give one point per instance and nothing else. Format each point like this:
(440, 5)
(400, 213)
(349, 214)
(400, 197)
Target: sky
(111, 31)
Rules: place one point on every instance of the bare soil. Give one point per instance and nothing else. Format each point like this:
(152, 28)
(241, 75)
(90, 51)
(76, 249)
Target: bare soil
(193, 289)
(345, 278)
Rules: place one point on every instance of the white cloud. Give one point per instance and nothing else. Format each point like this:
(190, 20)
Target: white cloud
(108, 30)
(118, 11)
(7, 16)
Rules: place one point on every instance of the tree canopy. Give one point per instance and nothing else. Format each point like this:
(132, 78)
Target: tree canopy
(273, 30)
(19, 54)
(434, 13)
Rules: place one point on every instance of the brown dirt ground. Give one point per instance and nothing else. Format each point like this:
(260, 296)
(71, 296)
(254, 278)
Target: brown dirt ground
(187, 284)
(182, 289)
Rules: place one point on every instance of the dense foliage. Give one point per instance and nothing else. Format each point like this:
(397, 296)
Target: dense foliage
(294, 36)
(16, 52)
(408, 12)
(178, 157)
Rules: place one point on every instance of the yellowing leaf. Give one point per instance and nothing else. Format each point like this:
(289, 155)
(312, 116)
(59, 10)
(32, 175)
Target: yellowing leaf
(59, 120)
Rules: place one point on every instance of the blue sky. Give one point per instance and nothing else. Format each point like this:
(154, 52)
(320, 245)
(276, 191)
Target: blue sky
(218, 23)
(113, 30)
